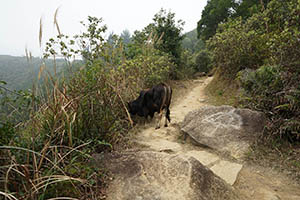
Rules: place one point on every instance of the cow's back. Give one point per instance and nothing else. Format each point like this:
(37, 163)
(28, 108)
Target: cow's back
(161, 96)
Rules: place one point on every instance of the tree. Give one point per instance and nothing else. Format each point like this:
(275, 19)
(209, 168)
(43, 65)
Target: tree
(166, 34)
(126, 37)
(218, 11)
(215, 12)
(170, 33)
(111, 38)
(246, 8)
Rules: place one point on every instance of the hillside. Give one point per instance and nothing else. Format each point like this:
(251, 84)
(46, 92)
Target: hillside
(19, 72)
(191, 42)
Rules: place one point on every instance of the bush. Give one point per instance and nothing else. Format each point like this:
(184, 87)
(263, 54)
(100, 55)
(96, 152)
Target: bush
(265, 91)
(236, 46)
(203, 61)
(7, 133)
(264, 53)
(264, 80)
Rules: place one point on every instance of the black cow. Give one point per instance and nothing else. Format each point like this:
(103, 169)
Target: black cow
(153, 100)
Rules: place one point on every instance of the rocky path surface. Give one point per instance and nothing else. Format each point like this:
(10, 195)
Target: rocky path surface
(166, 139)
(165, 166)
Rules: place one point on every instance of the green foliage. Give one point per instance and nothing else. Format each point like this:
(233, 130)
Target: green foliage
(163, 35)
(101, 91)
(237, 46)
(15, 105)
(265, 79)
(7, 133)
(96, 97)
(262, 39)
(20, 72)
(282, 19)
(126, 37)
(167, 33)
(217, 12)
(266, 48)
(187, 68)
(203, 61)
(265, 91)
(192, 43)
(195, 58)
(108, 81)
(247, 8)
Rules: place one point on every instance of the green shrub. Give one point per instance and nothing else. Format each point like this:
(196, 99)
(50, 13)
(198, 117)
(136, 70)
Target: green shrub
(260, 81)
(263, 52)
(265, 91)
(7, 133)
(203, 61)
(236, 46)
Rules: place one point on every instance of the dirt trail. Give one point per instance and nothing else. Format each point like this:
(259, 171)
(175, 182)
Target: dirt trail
(252, 182)
(164, 139)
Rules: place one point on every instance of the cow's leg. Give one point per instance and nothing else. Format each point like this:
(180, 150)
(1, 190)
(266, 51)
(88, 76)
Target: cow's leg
(151, 116)
(159, 119)
(166, 120)
(167, 117)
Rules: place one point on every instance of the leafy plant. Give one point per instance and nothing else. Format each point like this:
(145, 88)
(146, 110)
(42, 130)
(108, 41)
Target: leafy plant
(217, 12)
(203, 61)
(166, 32)
(263, 53)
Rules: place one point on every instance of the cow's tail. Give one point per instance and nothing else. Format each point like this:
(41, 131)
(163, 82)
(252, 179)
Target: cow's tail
(169, 97)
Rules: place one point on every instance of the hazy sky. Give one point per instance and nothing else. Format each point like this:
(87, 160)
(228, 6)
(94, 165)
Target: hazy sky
(19, 19)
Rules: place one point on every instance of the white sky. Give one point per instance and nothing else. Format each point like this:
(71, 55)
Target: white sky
(19, 19)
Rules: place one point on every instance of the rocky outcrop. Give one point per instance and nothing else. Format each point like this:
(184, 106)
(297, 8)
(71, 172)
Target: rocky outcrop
(148, 175)
(224, 128)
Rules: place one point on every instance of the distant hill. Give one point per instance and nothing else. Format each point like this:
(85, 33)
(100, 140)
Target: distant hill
(191, 42)
(19, 73)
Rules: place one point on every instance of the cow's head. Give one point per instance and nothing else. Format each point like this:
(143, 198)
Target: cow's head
(132, 107)
(137, 106)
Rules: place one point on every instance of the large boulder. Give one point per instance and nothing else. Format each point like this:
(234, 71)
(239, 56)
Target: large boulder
(148, 175)
(224, 128)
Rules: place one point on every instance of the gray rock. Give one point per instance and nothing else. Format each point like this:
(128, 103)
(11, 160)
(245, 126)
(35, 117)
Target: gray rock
(151, 175)
(224, 128)
(228, 171)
